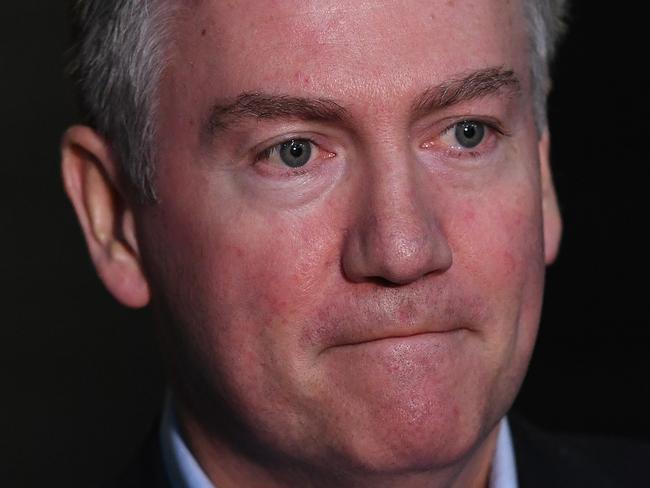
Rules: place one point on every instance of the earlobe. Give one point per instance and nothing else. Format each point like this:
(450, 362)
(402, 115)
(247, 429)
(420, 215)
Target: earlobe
(552, 219)
(91, 181)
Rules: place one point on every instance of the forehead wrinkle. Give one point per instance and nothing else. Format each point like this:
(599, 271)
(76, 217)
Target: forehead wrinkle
(267, 106)
(474, 85)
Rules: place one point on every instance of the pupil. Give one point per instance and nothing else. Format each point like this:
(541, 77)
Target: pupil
(470, 131)
(296, 149)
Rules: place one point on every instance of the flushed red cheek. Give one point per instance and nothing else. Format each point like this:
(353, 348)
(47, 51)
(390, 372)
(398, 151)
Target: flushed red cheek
(278, 271)
(500, 239)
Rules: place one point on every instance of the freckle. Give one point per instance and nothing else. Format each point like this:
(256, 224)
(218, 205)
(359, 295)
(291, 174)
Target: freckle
(203, 32)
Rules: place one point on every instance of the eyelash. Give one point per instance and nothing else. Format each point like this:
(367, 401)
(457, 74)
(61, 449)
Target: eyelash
(458, 152)
(266, 154)
(493, 128)
(280, 171)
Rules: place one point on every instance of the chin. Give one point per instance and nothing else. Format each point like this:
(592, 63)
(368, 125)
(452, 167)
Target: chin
(417, 436)
(410, 453)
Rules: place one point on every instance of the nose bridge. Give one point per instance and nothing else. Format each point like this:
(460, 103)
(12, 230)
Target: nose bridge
(396, 236)
(398, 218)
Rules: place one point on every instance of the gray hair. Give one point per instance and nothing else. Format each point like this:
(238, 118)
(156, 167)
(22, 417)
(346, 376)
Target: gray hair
(545, 23)
(119, 57)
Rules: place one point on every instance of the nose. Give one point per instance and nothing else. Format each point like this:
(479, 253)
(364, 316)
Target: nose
(395, 236)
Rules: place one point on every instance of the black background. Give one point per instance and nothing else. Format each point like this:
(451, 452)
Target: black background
(80, 379)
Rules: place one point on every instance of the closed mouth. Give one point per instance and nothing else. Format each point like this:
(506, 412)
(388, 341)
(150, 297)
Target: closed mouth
(398, 336)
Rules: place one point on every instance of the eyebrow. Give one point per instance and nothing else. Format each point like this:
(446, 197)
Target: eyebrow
(476, 84)
(267, 106)
(247, 105)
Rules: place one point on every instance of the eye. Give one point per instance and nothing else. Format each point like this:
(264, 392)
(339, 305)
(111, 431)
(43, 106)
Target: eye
(293, 153)
(469, 133)
(467, 139)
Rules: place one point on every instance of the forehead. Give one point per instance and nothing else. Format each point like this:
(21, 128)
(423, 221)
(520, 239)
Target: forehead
(349, 46)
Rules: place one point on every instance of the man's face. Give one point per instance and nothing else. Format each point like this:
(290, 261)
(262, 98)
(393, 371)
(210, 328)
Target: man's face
(369, 293)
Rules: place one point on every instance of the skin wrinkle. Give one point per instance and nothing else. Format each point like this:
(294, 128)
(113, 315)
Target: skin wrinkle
(367, 319)
(474, 85)
(265, 106)
(111, 99)
(267, 277)
(385, 307)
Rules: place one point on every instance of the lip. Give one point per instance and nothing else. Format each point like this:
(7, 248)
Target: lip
(373, 314)
(400, 337)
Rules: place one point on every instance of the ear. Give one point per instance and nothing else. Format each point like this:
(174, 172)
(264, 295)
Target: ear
(90, 177)
(550, 209)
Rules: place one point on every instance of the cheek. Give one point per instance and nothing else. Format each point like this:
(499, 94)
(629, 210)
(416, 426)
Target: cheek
(499, 249)
(249, 282)
(242, 291)
(498, 253)
(280, 265)
(499, 239)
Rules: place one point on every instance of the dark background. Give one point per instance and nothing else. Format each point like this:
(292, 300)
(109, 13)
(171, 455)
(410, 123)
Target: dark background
(80, 379)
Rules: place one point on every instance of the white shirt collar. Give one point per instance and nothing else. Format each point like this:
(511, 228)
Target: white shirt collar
(184, 471)
(182, 468)
(504, 471)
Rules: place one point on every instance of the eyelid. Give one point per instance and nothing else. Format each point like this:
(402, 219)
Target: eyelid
(438, 146)
(271, 167)
(489, 122)
(493, 127)
(266, 153)
(318, 140)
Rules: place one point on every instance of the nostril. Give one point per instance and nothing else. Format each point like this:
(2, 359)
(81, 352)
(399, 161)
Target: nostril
(383, 282)
(395, 253)
(395, 239)
(409, 253)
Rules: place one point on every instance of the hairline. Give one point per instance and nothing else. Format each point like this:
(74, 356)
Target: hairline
(135, 143)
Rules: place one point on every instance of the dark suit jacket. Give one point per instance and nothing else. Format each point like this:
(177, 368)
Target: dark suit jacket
(543, 461)
(560, 461)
